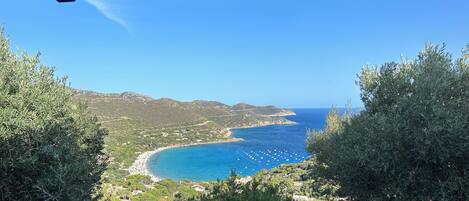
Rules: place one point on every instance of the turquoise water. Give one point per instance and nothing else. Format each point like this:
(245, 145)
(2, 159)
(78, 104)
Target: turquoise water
(262, 148)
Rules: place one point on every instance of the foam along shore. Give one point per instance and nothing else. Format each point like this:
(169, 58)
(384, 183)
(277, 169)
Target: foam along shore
(140, 164)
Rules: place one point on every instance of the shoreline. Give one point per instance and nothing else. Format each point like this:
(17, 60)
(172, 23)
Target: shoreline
(283, 114)
(140, 164)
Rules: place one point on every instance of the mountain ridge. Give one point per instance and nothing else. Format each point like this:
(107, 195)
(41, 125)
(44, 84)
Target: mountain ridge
(91, 97)
(134, 96)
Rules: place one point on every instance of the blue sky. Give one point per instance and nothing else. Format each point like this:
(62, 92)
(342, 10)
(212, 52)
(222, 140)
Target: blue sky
(290, 53)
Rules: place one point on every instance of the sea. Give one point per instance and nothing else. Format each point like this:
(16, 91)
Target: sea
(263, 148)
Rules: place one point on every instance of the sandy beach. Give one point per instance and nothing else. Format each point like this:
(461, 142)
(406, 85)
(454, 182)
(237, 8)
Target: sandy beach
(140, 164)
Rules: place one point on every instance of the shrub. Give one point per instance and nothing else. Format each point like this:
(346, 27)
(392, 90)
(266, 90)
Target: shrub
(411, 141)
(50, 148)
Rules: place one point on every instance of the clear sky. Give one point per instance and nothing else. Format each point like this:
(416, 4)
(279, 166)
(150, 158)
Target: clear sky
(289, 53)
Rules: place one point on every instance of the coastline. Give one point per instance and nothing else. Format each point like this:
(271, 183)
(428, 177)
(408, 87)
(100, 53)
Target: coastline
(140, 164)
(283, 114)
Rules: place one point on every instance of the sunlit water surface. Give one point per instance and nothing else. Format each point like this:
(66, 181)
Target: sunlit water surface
(262, 148)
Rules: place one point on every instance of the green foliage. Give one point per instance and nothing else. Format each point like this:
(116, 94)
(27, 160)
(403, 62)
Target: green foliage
(302, 179)
(412, 140)
(137, 182)
(324, 140)
(157, 193)
(185, 193)
(142, 188)
(318, 182)
(169, 184)
(233, 190)
(50, 148)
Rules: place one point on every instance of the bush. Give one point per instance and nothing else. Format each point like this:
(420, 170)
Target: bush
(231, 190)
(411, 141)
(50, 148)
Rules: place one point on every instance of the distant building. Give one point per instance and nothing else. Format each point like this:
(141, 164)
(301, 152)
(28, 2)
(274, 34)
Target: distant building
(198, 188)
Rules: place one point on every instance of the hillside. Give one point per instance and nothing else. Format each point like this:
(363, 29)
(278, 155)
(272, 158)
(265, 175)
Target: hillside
(138, 123)
(166, 112)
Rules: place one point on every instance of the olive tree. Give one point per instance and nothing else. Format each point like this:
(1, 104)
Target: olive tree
(50, 147)
(411, 141)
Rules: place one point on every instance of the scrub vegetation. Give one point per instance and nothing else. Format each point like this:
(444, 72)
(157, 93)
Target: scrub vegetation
(411, 141)
(50, 146)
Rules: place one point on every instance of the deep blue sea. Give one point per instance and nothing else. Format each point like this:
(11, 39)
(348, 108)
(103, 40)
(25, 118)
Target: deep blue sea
(262, 148)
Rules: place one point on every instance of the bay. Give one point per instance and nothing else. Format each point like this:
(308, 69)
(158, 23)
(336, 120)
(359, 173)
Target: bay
(263, 148)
